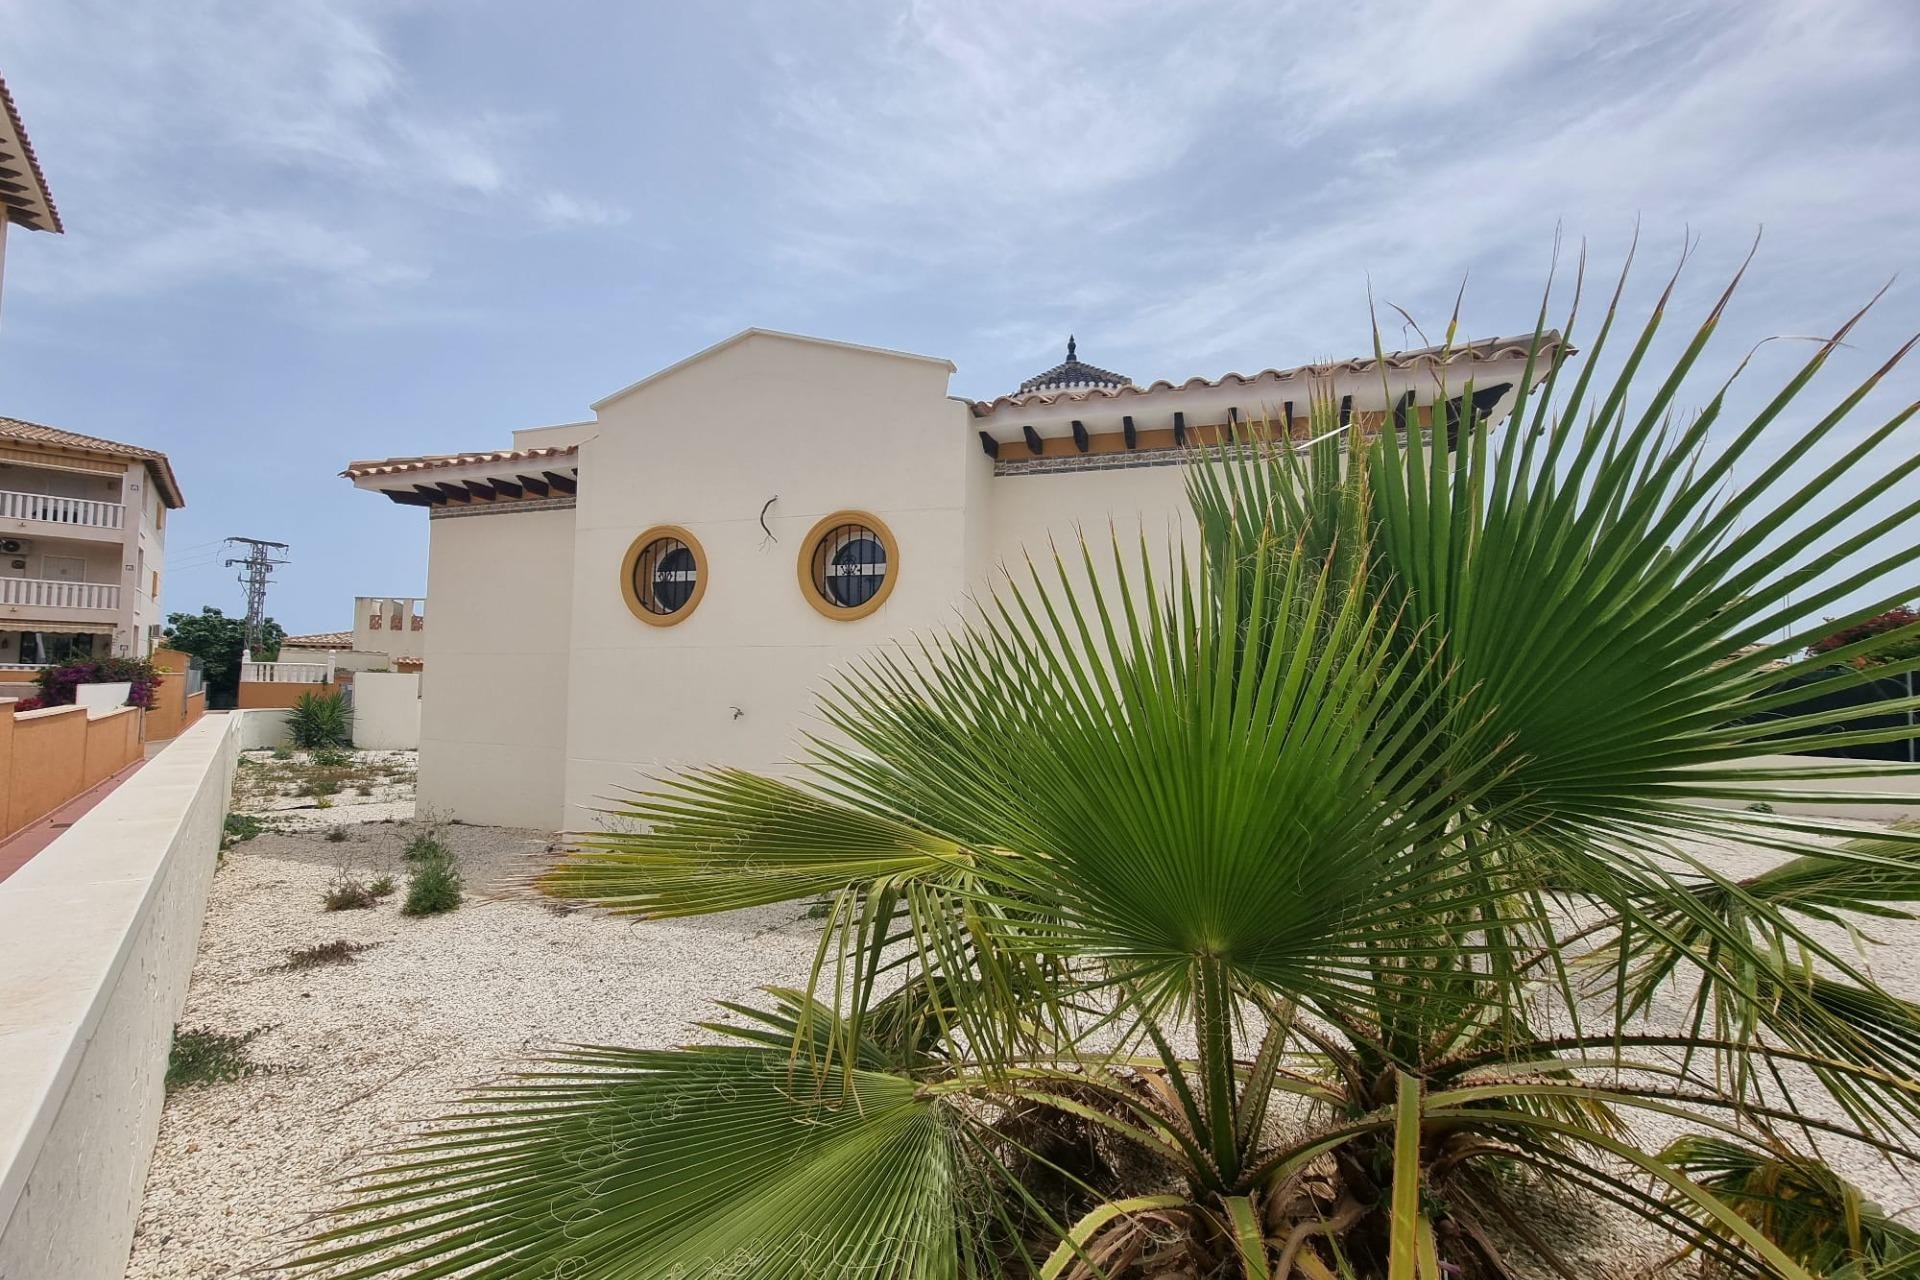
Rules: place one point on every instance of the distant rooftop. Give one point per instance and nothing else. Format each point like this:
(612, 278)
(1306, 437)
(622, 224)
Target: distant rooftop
(36, 433)
(23, 188)
(1074, 374)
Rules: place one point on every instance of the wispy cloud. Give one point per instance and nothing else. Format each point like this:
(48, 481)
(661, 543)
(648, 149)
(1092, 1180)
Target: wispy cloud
(219, 140)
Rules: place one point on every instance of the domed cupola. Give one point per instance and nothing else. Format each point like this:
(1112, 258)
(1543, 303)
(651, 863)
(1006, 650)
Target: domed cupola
(1073, 375)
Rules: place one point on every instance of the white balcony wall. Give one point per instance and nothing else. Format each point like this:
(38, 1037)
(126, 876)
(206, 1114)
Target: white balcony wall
(53, 509)
(59, 593)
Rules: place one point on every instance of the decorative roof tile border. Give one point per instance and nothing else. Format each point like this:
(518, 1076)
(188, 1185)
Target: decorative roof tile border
(454, 511)
(431, 461)
(1513, 348)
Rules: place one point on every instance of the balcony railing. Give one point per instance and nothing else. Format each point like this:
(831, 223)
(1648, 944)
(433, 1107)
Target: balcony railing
(52, 510)
(59, 593)
(285, 673)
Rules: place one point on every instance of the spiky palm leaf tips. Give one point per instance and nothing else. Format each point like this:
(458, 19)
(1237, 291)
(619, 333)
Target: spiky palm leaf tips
(1323, 896)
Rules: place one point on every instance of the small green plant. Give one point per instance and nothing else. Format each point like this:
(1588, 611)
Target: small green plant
(434, 886)
(200, 1057)
(240, 828)
(320, 720)
(283, 753)
(1759, 806)
(423, 848)
(381, 888)
(339, 951)
(332, 758)
(348, 894)
(335, 835)
(320, 787)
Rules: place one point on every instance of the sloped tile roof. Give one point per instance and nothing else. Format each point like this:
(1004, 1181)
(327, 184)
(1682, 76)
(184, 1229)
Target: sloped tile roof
(427, 462)
(1474, 352)
(39, 433)
(32, 207)
(320, 640)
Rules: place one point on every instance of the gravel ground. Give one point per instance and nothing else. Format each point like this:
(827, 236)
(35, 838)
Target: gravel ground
(355, 1052)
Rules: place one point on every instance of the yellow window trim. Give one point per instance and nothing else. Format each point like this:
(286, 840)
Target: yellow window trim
(811, 589)
(632, 560)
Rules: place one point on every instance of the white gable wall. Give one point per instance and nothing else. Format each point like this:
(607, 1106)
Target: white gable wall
(824, 428)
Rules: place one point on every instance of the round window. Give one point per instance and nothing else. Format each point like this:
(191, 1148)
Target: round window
(848, 565)
(664, 576)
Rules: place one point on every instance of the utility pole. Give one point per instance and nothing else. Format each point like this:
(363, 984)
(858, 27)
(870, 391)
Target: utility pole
(255, 568)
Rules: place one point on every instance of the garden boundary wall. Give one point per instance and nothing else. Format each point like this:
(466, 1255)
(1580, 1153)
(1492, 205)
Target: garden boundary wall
(101, 929)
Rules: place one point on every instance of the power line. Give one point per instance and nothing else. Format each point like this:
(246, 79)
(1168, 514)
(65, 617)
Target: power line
(256, 567)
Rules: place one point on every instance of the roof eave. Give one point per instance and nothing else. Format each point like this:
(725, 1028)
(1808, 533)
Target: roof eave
(35, 209)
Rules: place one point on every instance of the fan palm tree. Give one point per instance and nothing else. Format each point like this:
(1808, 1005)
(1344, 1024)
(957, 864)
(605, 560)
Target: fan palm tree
(1312, 903)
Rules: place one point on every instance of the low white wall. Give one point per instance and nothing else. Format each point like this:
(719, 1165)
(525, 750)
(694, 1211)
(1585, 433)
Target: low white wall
(1907, 787)
(102, 697)
(99, 933)
(258, 728)
(386, 710)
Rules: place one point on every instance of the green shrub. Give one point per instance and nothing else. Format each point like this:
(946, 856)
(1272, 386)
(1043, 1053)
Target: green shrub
(434, 886)
(283, 753)
(423, 848)
(240, 828)
(320, 720)
(381, 888)
(332, 758)
(208, 1057)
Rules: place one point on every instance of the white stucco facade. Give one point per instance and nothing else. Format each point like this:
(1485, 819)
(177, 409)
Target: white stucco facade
(545, 690)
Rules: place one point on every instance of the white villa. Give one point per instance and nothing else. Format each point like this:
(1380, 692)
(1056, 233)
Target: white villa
(668, 582)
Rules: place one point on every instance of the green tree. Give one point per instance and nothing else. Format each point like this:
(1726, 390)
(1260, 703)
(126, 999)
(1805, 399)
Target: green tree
(217, 641)
(1300, 909)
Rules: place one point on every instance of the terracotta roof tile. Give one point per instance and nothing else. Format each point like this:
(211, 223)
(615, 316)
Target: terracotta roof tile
(20, 209)
(38, 433)
(320, 640)
(427, 462)
(1487, 349)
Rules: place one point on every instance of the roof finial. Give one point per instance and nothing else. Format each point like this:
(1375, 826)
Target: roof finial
(1070, 355)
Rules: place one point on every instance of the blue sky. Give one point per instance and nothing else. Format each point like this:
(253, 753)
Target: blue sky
(303, 232)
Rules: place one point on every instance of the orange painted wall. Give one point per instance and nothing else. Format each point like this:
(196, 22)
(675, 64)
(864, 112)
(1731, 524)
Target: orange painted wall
(113, 740)
(49, 757)
(255, 695)
(49, 762)
(170, 715)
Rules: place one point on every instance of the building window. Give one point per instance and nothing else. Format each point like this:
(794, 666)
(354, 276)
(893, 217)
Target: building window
(848, 565)
(663, 576)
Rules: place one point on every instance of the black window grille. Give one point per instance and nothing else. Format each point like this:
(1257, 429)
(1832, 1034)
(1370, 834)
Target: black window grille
(849, 565)
(665, 575)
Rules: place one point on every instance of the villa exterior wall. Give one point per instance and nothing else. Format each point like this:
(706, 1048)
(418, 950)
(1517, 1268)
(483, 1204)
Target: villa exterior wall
(544, 696)
(812, 428)
(494, 750)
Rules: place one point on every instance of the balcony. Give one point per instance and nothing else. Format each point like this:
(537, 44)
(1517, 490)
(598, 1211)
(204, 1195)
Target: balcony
(60, 593)
(66, 513)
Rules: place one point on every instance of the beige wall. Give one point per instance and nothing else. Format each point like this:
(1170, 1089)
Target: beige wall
(493, 750)
(823, 428)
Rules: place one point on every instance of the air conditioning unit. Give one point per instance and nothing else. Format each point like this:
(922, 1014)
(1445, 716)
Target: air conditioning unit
(15, 546)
